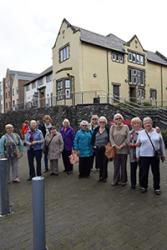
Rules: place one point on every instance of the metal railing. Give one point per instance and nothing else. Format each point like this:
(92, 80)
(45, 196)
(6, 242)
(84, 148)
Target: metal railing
(89, 97)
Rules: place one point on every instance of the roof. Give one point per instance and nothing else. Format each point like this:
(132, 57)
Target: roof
(156, 57)
(42, 74)
(110, 41)
(22, 75)
(113, 42)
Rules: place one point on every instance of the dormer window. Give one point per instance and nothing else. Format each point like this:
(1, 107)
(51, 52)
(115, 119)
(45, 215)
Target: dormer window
(136, 58)
(117, 57)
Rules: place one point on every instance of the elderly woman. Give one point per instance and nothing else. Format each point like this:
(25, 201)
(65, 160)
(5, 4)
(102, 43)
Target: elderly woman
(136, 124)
(55, 144)
(34, 142)
(44, 127)
(100, 139)
(94, 122)
(67, 133)
(150, 149)
(82, 144)
(119, 138)
(11, 146)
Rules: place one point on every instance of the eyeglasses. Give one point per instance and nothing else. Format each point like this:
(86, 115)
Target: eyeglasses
(101, 122)
(94, 118)
(119, 118)
(84, 125)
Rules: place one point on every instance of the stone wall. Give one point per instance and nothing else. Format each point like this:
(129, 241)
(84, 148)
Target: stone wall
(79, 112)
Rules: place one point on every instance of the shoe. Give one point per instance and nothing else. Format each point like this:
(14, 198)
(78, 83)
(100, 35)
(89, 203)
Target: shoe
(46, 170)
(52, 174)
(56, 174)
(133, 187)
(65, 171)
(143, 190)
(157, 191)
(29, 179)
(69, 172)
(123, 184)
(100, 179)
(114, 184)
(17, 180)
(104, 180)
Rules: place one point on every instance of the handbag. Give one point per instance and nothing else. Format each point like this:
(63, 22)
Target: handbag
(46, 146)
(110, 151)
(74, 158)
(157, 153)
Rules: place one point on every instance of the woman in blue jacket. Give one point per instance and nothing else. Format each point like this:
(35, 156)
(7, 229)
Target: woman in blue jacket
(34, 142)
(82, 144)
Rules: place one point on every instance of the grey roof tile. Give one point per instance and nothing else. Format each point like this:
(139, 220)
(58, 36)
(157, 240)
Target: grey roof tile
(109, 42)
(155, 57)
(43, 73)
(22, 74)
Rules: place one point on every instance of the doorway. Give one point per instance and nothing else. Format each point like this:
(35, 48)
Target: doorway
(132, 94)
(42, 97)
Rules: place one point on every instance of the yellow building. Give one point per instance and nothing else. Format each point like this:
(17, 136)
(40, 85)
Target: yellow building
(88, 67)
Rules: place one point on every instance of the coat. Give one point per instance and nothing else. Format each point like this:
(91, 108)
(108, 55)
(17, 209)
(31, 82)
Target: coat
(55, 146)
(82, 143)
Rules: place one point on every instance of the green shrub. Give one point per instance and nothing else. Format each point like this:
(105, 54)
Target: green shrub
(146, 104)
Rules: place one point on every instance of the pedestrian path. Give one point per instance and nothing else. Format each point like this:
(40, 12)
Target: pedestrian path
(82, 214)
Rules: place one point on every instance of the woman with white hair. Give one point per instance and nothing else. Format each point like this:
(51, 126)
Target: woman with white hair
(83, 147)
(136, 124)
(119, 138)
(34, 142)
(11, 147)
(149, 151)
(67, 133)
(44, 127)
(100, 138)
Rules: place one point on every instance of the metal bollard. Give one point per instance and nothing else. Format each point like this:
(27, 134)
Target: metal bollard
(38, 198)
(4, 193)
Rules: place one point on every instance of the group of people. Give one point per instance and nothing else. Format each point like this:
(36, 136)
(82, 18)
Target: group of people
(144, 145)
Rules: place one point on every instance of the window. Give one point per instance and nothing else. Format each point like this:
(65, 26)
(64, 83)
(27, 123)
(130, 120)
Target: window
(135, 58)
(136, 76)
(33, 85)
(140, 93)
(27, 87)
(63, 89)
(116, 92)
(40, 82)
(60, 90)
(153, 94)
(117, 57)
(64, 53)
(48, 78)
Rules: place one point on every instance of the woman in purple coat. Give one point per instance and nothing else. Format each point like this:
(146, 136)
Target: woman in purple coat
(67, 133)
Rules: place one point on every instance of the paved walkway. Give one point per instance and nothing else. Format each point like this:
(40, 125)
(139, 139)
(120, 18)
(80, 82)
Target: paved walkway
(82, 214)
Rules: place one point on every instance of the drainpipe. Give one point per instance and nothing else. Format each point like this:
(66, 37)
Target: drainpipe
(161, 88)
(108, 82)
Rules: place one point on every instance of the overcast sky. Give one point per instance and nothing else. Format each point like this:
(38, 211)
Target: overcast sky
(28, 28)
